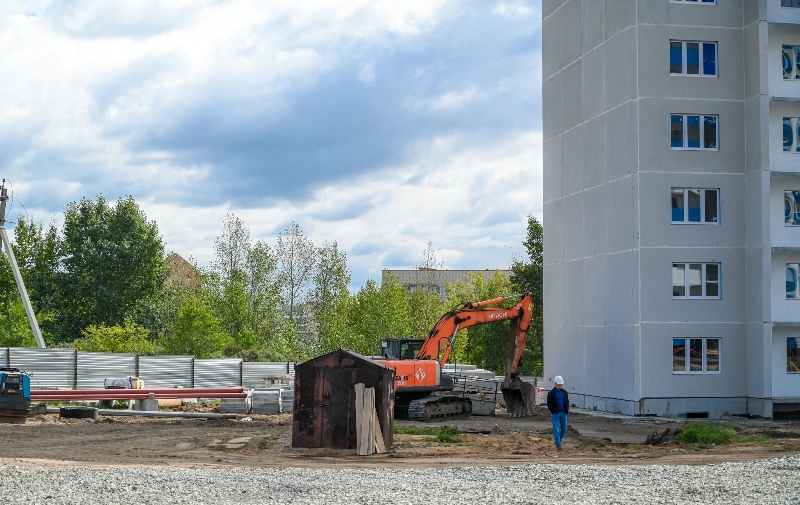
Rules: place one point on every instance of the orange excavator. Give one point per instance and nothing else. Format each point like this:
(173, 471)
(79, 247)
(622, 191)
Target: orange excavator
(419, 381)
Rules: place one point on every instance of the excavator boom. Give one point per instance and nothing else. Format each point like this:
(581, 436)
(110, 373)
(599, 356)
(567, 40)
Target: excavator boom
(423, 374)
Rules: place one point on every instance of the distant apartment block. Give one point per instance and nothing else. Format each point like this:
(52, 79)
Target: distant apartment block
(435, 280)
(672, 205)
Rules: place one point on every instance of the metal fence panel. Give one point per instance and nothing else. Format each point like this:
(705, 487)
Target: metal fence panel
(214, 373)
(254, 375)
(48, 368)
(166, 371)
(56, 368)
(93, 367)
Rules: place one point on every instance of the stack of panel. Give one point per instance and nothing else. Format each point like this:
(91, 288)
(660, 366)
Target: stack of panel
(287, 400)
(236, 405)
(266, 401)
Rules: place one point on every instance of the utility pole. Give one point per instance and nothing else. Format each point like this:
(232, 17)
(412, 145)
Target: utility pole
(23, 293)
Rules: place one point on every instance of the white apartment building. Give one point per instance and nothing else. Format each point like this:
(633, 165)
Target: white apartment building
(672, 205)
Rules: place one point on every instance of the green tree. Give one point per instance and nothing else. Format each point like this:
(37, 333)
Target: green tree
(124, 338)
(297, 260)
(528, 276)
(377, 312)
(263, 292)
(245, 294)
(15, 330)
(36, 253)
(330, 299)
(485, 345)
(232, 248)
(112, 260)
(425, 298)
(197, 331)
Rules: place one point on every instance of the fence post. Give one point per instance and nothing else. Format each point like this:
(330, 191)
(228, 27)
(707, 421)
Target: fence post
(136, 366)
(241, 373)
(8, 356)
(75, 370)
(193, 358)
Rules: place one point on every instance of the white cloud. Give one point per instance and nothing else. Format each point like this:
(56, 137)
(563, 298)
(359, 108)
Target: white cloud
(375, 123)
(455, 99)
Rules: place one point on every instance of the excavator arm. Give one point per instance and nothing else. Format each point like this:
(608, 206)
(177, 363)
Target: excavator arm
(517, 394)
(444, 331)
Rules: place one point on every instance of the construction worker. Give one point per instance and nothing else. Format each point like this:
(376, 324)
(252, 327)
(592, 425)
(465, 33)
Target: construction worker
(558, 405)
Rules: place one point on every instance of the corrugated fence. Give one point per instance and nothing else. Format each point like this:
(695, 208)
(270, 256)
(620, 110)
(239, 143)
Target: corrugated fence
(70, 368)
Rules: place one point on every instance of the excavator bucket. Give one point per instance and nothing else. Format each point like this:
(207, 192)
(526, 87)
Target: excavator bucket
(519, 397)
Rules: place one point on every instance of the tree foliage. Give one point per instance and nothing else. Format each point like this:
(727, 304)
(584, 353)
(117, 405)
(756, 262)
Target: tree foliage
(36, 253)
(528, 276)
(485, 345)
(330, 299)
(111, 260)
(297, 259)
(103, 285)
(377, 312)
(197, 331)
(124, 338)
(426, 301)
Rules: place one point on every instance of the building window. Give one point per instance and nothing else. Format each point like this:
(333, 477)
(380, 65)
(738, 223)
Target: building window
(791, 62)
(692, 58)
(695, 280)
(792, 355)
(791, 135)
(791, 208)
(695, 205)
(694, 132)
(695, 355)
(792, 288)
(790, 3)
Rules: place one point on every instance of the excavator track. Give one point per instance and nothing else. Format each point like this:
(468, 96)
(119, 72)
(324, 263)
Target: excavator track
(14, 416)
(437, 408)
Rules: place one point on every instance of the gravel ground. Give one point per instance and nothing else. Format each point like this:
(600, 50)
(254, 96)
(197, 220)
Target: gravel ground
(764, 482)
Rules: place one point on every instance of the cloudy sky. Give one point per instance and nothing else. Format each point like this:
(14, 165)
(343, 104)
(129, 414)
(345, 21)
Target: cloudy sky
(380, 124)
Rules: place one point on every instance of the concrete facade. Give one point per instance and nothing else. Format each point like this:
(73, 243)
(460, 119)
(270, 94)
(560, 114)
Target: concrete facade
(666, 260)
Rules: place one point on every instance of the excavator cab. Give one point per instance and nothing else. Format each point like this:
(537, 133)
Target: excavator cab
(401, 348)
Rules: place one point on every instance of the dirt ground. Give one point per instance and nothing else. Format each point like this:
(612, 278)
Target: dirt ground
(266, 441)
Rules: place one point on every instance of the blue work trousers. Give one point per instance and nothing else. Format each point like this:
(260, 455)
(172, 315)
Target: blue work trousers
(559, 427)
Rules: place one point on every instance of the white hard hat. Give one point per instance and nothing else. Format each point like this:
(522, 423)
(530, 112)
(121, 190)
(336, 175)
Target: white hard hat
(559, 380)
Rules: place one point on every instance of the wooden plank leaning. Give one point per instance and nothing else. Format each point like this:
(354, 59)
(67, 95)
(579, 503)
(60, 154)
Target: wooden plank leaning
(359, 401)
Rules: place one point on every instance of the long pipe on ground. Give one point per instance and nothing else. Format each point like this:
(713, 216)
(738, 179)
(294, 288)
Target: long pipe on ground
(152, 413)
(141, 396)
(133, 391)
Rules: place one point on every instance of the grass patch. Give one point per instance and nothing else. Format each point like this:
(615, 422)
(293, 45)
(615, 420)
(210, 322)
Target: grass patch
(445, 434)
(707, 434)
(414, 430)
(448, 435)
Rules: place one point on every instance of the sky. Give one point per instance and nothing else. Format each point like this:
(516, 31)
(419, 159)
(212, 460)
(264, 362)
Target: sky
(382, 125)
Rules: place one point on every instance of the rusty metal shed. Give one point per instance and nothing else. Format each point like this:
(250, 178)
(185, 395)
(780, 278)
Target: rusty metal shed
(324, 399)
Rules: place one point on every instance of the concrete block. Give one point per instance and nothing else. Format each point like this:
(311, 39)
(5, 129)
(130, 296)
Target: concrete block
(147, 405)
